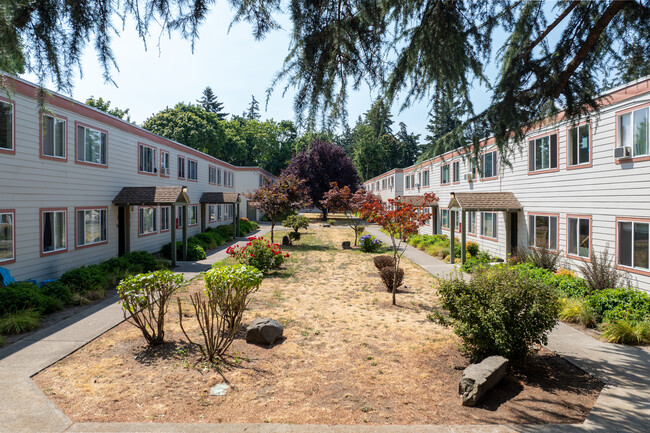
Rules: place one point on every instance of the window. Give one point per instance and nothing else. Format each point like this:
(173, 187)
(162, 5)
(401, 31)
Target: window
(181, 167)
(219, 212)
(219, 176)
(408, 182)
(91, 145)
(6, 126)
(212, 213)
(456, 219)
(6, 236)
(456, 171)
(489, 224)
(444, 218)
(383, 184)
(165, 218)
(633, 129)
(179, 218)
(54, 231)
(542, 153)
(471, 222)
(54, 137)
(192, 169)
(542, 231)
(146, 159)
(147, 220)
(578, 145)
(471, 171)
(444, 174)
(489, 164)
(425, 178)
(193, 215)
(578, 236)
(632, 244)
(212, 175)
(164, 163)
(91, 226)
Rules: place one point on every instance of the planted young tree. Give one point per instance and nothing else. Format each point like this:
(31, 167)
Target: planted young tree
(344, 201)
(399, 220)
(277, 199)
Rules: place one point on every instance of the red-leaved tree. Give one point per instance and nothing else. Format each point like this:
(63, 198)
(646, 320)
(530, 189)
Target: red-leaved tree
(399, 219)
(275, 200)
(344, 201)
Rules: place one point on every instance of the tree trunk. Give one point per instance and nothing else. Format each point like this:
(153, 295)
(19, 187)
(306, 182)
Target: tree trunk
(272, 226)
(324, 214)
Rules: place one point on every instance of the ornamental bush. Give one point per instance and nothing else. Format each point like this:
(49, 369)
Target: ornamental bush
(498, 312)
(620, 304)
(259, 253)
(382, 262)
(87, 280)
(472, 248)
(24, 295)
(387, 275)
(296, 222)
(369, 244)
(145, 300)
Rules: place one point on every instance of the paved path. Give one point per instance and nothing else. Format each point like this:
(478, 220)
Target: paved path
(623, 405)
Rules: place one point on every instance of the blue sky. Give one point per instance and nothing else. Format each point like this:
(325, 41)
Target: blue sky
(232, 63)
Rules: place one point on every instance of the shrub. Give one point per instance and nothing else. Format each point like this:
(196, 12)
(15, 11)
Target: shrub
(437, 251)
(472, 263)
(498, 312)
(577, 311)
(24, 295)
(296, 222)
(206, 239)
(618, 304)
(2, 341)
(472, 248)
(20, 321)
(194, 251)
(368, 244)
(259, 253)
(571, 287)
(58, 290)
(544, 258)
(382, 262)
(226, 232)
(563, 272)
(145, 300)
(194, 240)
(599, 272)
(294, 236)
(387, 277)
(141, 261)
(219, 314)
(626, 332)
(86, 280)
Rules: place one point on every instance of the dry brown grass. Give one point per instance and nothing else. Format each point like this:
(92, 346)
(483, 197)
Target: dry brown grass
(349, 357)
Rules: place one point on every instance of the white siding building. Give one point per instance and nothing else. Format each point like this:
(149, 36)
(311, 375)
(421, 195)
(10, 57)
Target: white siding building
(580, 186)
(61, 169)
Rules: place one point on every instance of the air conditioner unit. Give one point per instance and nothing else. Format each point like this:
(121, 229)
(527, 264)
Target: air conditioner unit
(622, 152)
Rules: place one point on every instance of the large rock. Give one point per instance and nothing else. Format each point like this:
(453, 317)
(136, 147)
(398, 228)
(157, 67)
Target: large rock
(479, 378)
(264, 331)
(346, 245)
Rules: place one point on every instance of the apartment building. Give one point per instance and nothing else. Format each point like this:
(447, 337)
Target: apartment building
(571, 187)
(79, 186)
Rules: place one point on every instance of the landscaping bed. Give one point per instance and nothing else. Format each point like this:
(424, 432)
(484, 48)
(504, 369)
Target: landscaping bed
(349, 357)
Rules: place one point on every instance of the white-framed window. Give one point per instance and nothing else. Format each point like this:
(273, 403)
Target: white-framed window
(579, 236)
(91, 145)
(212, 174)
(54, 137)
(489, 224)
(579, 147)
(444, 218)
(219, 213)
(425, 178)
(179, 217)
(542, 153)
(633, 131)
(218, 176)
(54, 230)
(165, 218)
(444, 174)
(456, 220)
(164, 163)
(7, 230)
(192, 169)
(146, 159)
(181, 167)
(408, 182)
(147, 220)
(6, 126)
(383, 184)
(456, 171)
(489, 163)
(471, 222)
(193, 215)
(632, 244)
(91, 226)
(212, 213)
(542, 231)
(471, 171)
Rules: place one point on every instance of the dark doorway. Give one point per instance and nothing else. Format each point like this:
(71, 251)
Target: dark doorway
(514, 229)
(251, 212)
(121, 222)
(434, 220)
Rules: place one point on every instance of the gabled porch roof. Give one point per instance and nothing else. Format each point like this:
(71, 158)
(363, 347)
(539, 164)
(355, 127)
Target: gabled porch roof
(151, 196)
(484, 201)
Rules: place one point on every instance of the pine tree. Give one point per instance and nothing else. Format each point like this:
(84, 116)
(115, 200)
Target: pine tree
(210, 103)
(444, 119)
(253, 112)
(635, 62)
(409, 146)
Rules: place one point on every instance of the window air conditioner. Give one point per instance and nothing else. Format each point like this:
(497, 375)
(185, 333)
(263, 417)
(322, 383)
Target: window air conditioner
(622, 152)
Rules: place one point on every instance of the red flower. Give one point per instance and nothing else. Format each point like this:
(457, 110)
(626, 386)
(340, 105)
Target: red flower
(286, 255)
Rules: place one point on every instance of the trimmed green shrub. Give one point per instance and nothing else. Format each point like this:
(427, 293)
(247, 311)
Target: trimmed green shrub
(296, 222)
(472, 248)
(24, 295)
(86, 279)
(498, 312)
(571, 287)
(382, 262)
(226, 232)
(20, 321)
(58, 290)
(207, 240)
(194, 251)
(620, 304)
(141, 261)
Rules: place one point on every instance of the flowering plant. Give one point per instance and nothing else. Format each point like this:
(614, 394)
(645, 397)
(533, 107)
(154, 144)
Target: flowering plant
(258, 252)
(369, 244)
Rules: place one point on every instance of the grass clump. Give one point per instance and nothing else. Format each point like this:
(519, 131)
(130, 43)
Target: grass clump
(20, 321)
(578, 311)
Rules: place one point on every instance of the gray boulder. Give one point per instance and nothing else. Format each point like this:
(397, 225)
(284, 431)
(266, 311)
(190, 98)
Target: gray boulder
(477, 379)
(346, 245)
(264, 331)
(326, 225)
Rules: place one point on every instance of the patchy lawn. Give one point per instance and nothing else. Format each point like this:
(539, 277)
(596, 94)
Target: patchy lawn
(349, 357)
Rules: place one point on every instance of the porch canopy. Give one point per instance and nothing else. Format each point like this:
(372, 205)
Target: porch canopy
(481, 202)
(418, 200)
(232, 198)
(155, 196)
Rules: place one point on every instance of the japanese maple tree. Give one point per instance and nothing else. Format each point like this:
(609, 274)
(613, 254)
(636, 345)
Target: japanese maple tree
(399, 219)
(351, 204)
(275, 200)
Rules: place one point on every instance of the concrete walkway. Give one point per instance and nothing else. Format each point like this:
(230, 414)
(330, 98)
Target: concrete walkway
(623, 406)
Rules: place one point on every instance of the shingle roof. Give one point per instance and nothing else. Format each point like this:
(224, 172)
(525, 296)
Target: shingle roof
(480, 201)
(220, 197)
(151, 195)
(417, 200)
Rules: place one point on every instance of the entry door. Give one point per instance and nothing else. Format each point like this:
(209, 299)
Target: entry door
(514, 229)
(251, 212)
(121, 221)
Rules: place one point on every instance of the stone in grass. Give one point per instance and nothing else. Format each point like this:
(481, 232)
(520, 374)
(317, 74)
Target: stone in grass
(264, 331)
(286, 241)
(326, 225)
(219, 389)
(346, 245)
(477, 379)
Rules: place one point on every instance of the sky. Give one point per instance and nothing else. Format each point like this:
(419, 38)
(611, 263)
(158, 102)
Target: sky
(233, 64)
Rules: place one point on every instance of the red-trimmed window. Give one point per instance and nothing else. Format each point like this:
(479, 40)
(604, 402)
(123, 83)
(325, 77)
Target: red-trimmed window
(579, 236)
(91, 226)
(192, 169)
(489, 225)
(193, 215)
(633, 131)
(54, 137)
(579, 146)
(543, 154)
(212, 175)
(632, 244)
(164, 163)
(543, 231)
(181, 167)
(7, 126)
(146, 221)
(489, 165)
(444, 218)
(146, 159)
(218, 176)
(165, 218)
(212, 213)
(53, 231)
(444, 174)
(471, 222)
(7, 236)
(91, 145)
(425, 178)
(456, 171)
(219, 212)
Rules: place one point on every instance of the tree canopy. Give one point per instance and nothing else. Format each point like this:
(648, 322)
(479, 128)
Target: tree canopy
(105, 106)
(210, 103)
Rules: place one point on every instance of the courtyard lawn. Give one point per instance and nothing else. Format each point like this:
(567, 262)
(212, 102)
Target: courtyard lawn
(349, 357)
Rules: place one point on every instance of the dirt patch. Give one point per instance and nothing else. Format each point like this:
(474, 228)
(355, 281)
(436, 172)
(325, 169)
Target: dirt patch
(349, 357)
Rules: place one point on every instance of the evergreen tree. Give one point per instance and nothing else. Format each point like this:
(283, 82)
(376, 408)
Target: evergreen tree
(210, 103)
(635, 62)
(409, 146)
(444, 120)
(253, 112)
